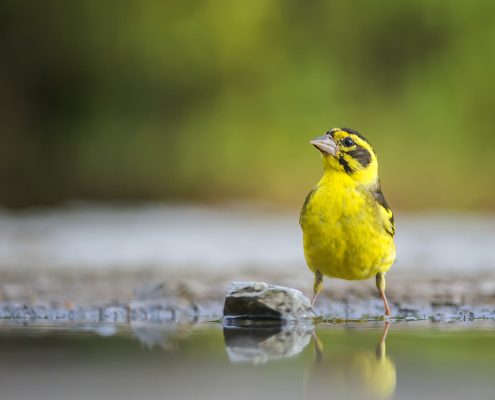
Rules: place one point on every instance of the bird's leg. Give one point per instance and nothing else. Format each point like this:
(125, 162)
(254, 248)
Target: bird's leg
(380, 284)
(317, 286)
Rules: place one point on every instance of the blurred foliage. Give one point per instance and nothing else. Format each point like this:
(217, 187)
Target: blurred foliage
(212, 99)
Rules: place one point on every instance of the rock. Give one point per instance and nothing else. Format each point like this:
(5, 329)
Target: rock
(259, 300)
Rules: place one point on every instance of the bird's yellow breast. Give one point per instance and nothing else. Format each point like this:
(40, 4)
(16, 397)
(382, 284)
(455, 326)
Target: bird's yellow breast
(343, 230)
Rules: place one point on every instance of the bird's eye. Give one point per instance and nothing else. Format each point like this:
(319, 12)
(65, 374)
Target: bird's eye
(348, 142)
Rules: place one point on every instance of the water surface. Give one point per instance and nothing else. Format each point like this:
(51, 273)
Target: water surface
(209, 361)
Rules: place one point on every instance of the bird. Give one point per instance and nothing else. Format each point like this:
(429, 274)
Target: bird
(348, 227)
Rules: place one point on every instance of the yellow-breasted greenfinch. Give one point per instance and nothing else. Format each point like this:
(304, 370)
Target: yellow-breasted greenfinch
(348, 227)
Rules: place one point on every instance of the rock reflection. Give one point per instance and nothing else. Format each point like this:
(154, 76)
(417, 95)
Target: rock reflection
(264, 341)
(365, 374)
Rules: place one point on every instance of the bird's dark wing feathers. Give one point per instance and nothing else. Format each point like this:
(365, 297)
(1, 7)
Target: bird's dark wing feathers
(306, 202)
(380, 199)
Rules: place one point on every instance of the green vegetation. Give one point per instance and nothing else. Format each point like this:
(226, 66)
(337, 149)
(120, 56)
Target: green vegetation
(214, 100)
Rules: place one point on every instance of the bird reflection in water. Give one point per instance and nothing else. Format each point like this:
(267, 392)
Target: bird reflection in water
(361, 374)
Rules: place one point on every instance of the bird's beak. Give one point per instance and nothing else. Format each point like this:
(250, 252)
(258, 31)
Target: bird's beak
(325, 144)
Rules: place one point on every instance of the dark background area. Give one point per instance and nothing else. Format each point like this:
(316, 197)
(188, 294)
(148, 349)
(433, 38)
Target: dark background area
(214, 101)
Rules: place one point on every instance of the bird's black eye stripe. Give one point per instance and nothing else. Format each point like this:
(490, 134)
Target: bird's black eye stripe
(361, 155)
(348, 142)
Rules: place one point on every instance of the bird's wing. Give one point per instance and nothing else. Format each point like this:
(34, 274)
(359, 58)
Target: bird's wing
(385, 211)
(305, 205)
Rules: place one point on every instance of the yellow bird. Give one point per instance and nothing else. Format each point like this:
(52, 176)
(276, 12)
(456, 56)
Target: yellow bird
(348, 227)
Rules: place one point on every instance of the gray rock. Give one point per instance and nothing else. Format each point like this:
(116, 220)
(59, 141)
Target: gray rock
(259, 300)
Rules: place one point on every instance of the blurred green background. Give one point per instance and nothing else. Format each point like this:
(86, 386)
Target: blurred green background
(216, 100)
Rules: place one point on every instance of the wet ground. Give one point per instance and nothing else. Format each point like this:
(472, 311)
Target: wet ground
(165, 262)
(187, 361)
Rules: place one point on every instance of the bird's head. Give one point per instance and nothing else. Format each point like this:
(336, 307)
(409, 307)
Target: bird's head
(347, 151)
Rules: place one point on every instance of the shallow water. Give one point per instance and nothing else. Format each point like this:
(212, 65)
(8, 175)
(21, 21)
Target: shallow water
(209, 361)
